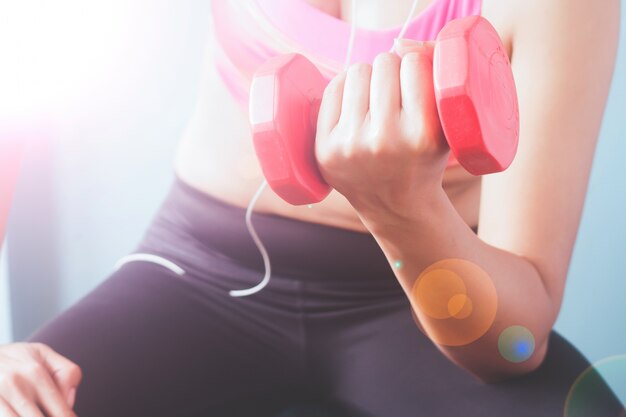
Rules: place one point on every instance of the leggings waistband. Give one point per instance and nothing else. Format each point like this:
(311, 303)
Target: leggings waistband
(192, 223)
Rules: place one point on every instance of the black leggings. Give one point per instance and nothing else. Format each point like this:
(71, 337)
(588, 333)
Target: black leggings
(333, 327)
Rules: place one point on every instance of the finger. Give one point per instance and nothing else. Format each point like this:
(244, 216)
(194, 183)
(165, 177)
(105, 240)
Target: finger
(50, 399)
(6, 409)
(23, 406)
(405, 46)
(356, 94)
(385, 88)
(330, 108)
(65, 373)
(419, 106)
(416, 83)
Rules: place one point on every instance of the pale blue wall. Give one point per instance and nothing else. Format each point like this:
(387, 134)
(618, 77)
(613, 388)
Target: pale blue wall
(86, 197)
(92, 194)
(5, 312)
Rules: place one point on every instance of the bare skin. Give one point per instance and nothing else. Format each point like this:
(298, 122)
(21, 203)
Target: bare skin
(528, 216)
(562, 52)
(34, 379)
(216, 153)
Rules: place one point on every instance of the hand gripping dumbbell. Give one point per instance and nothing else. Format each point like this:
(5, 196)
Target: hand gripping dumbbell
(476, 101)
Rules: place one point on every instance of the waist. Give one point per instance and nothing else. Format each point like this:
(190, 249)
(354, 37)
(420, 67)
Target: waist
(196, 228)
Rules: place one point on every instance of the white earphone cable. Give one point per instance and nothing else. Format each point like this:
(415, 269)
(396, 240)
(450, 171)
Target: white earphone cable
(352, 34)
(406, 23)
(259, 245)
(250, 226)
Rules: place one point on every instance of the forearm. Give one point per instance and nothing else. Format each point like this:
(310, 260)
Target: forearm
(508, 291)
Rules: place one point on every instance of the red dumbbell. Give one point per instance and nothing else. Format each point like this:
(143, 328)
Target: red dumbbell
(476, 100)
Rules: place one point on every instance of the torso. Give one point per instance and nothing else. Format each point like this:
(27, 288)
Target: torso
(216, 154)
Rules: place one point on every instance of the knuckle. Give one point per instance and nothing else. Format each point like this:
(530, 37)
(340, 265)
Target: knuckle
(417, 146)
(40, 345)
(359, 70)
(378, 150)
(10, 379)
(347, 152)
(384, 141)
(334, 87)
(412, 57)
(376, 140)
(374, 149)
(330, 164)
(34, 371)
(35, 349)
(416, 62)
(386, 59)
(77, 371)
(418, 122)
(349, 149)
(335, 156)
(381, 131)
(414, 132)
(324, 156)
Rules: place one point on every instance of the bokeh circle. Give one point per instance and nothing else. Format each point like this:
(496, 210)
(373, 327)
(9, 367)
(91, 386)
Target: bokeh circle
(455, 301)
(589, 395)
(516, 344)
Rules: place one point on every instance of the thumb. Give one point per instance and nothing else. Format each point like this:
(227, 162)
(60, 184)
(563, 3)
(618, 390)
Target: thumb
(65, 373)
(403, 46)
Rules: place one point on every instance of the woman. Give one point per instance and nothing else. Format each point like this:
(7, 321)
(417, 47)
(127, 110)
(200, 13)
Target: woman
(339, 322)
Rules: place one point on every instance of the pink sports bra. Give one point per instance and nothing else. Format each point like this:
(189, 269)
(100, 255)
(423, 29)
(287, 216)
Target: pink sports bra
(249, 32)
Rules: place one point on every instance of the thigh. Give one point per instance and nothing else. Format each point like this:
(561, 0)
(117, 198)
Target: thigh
(152, 343)
(384, 366)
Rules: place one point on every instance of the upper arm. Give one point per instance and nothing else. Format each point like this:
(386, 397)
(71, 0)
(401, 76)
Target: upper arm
(563, 54)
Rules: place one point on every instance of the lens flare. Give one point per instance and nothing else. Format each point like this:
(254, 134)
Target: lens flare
(590, 395)
(55, 55)
(435, 291)
(460, 306)
(455, 301)
(516, 344)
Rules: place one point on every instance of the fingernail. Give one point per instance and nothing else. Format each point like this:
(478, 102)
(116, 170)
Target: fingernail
(71, 397)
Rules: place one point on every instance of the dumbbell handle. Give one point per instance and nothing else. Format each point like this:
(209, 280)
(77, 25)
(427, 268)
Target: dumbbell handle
(475, 94)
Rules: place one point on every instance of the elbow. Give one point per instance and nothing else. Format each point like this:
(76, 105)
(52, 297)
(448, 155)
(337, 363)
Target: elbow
(505, 371)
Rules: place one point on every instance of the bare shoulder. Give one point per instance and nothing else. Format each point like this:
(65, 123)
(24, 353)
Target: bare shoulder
(518, 20)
